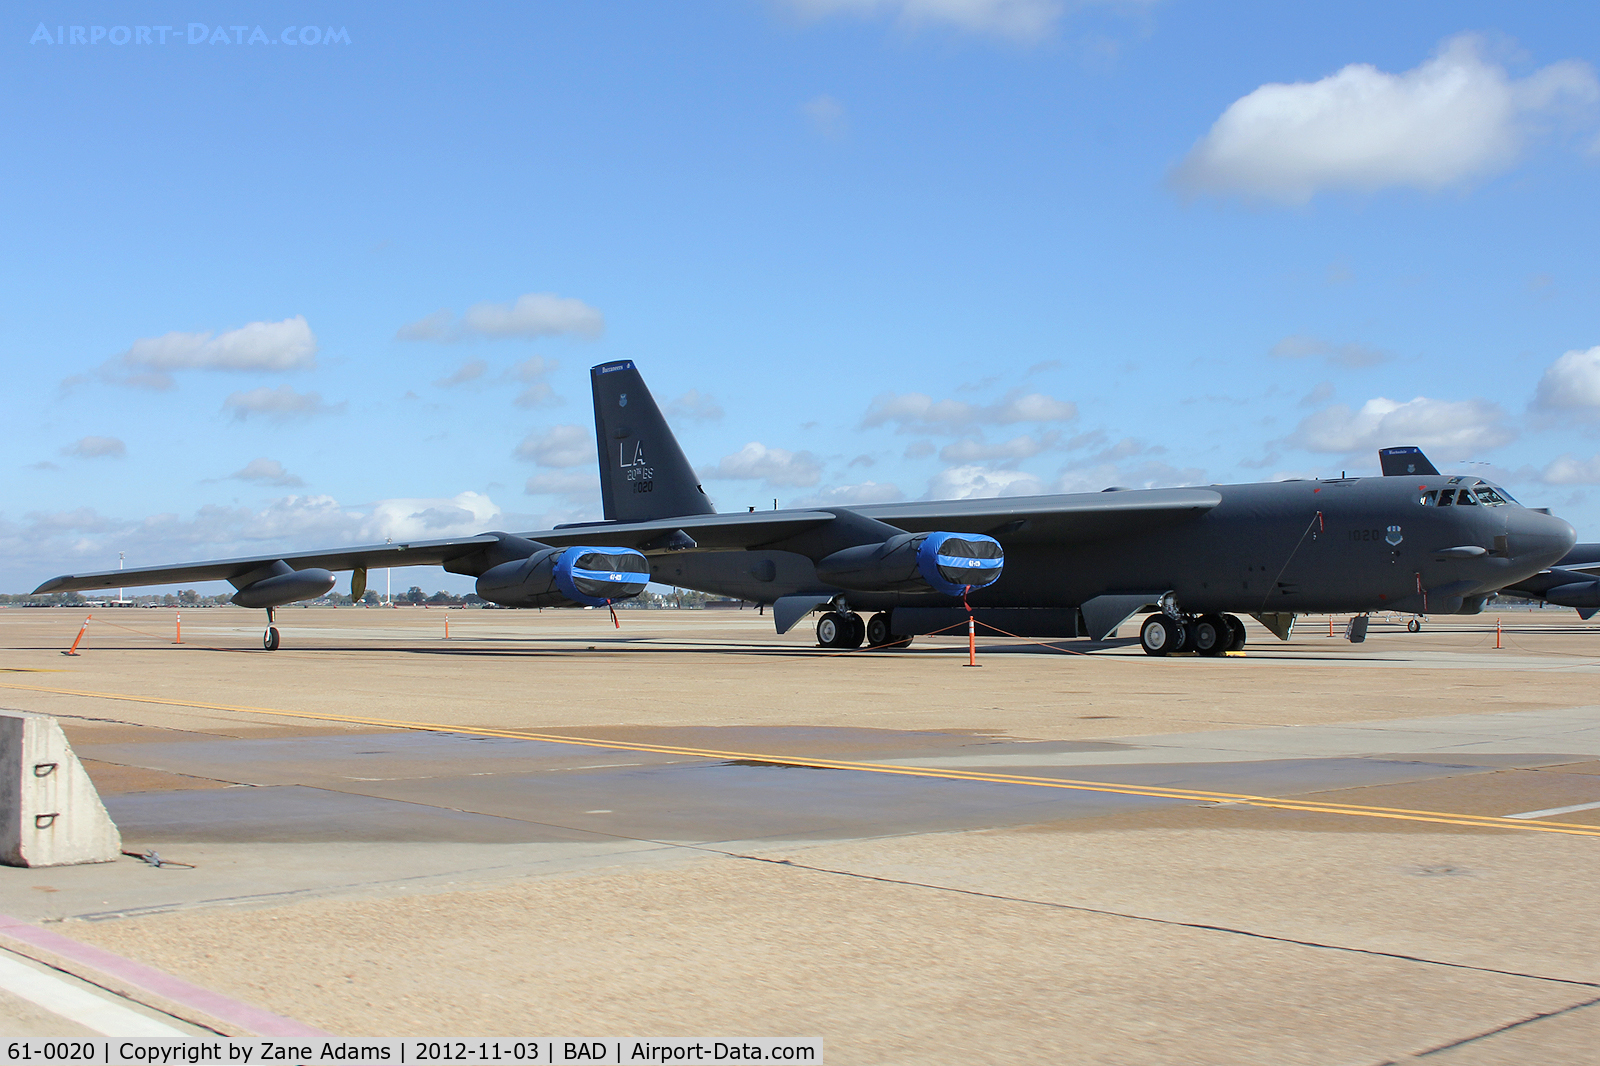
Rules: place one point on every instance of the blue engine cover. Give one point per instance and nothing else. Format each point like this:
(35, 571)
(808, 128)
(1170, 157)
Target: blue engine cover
(595, 577)
(954, 563)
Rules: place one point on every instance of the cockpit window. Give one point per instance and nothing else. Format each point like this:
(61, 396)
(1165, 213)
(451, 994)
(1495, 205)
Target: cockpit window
(1429, 498)
(1447, 497)
(1464, 498)
(1489, 497)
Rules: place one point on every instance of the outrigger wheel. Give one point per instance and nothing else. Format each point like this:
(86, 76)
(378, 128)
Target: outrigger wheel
(270, 639)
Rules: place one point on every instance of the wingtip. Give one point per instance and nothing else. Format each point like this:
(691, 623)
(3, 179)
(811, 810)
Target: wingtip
(51, 585)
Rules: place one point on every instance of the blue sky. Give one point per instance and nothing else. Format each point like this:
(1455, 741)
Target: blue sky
(287, 294)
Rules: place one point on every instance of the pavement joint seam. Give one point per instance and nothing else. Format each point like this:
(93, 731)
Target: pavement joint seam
(1497, 1030)
(1202, 926)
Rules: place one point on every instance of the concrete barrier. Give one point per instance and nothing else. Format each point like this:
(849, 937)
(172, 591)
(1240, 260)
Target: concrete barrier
(50, 813)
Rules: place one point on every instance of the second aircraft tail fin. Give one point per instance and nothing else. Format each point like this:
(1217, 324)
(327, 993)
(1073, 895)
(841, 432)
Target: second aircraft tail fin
(1404, 462)
(643, 473)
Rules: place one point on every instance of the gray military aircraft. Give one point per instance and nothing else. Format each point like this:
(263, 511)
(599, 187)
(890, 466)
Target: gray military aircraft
(1077, 564)
(1574, 581)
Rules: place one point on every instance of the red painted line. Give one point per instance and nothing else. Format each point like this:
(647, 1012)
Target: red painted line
(218, 1006)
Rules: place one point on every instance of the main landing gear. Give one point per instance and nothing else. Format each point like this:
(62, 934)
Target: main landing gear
(1209, 634)
(270, 639)
(843, 629)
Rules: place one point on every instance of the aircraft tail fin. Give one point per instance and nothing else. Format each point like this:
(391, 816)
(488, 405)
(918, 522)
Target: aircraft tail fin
(1404, 462)
(643, 473)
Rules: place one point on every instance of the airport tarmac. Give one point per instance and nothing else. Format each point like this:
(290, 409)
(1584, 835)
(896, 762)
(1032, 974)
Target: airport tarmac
(1316, 853)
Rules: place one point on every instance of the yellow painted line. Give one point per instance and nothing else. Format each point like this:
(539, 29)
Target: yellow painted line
(1476, 821)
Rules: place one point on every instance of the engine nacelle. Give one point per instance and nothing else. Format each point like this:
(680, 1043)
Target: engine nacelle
(567, 577)
(283, 584)
(951, 563)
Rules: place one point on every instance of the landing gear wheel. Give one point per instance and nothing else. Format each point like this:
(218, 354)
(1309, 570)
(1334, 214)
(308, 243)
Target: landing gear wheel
(1413, 626)
(1235, 627)
(1211, 634)
(1160, 635)
(838, 630)
(879, 635)
(269, 639)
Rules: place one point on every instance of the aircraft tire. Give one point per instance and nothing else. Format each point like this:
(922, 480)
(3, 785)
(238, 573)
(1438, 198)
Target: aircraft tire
(1413, 626)
(830, 628)
(1160, 635)
(1237, 628)
(855, 631)
(1211, 634)
(270, 639)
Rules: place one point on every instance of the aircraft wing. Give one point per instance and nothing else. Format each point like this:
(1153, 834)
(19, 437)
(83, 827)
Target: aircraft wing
(710, 532)
(1055, 519)
(375, 556)
(1074, 517)
(1584, 558)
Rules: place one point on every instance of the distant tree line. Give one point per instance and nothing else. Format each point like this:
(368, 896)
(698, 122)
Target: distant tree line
(679, 599)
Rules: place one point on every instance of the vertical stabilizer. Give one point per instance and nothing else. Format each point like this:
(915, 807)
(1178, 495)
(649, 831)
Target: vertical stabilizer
(643, 472)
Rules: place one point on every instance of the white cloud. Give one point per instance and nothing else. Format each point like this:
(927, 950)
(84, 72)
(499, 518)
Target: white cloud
(96, 448)
(559, 446)
(267, 472)
(973, 450)
(915, 412)
(42, 544)
(981, 482)
(434, 327)
(532, 373)
(1096, 476)
(697, 406)
(1321, 393)
(1350, 356)
(570, 484)
(534, 314)
(279, 403)
(471, 370)
(259, 346)
(1021, 20)
(778, 467)
(431, 519)
(850, 495)
(1568, 469)
(1571, 384)
(1462, 427)
(1453, 118)
(825, 116)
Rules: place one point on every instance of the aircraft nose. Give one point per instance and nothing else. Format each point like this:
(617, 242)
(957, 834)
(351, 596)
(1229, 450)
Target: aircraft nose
(1536, 538)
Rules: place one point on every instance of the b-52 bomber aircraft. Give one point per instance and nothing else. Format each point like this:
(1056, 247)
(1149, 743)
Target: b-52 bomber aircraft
(1574, 580)
(1076, 564)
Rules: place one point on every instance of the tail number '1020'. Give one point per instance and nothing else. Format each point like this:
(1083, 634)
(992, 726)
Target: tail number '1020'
(644, 486)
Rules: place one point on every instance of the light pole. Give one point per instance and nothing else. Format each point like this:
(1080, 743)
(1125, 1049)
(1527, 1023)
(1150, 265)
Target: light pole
(386, 572)
(120, 597)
